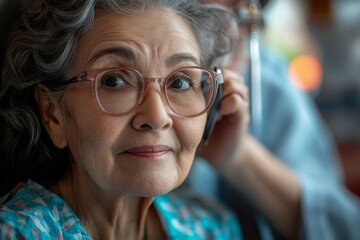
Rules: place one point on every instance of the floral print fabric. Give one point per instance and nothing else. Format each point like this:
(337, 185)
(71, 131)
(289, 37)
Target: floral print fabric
(33, 212)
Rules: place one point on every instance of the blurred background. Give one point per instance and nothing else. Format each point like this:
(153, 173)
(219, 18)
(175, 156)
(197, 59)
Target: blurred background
(321, 43)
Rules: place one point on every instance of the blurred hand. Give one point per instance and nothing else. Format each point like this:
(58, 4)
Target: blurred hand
(227, 139)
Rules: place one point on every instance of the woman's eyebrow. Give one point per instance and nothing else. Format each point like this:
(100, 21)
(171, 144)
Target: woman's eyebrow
(122, 52)
(129, 55)
(178, 58)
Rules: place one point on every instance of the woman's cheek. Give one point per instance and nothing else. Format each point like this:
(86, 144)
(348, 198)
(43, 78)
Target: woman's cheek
(190, 131)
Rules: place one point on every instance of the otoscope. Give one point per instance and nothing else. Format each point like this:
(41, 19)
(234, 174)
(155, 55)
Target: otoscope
(251, 17)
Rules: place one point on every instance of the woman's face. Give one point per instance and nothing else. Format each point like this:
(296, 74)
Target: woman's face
(149, 151)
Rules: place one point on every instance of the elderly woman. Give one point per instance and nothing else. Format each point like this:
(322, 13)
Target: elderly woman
(103, 105)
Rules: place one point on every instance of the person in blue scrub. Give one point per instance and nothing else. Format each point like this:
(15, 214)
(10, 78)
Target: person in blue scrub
(288, 181)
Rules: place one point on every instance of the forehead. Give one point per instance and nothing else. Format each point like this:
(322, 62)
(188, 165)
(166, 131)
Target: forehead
(145, 23)
(152, 33)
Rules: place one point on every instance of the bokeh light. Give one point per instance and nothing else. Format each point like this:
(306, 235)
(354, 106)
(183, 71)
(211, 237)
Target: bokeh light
(305, 72)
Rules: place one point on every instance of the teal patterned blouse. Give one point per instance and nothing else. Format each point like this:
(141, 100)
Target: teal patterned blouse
(34, 212)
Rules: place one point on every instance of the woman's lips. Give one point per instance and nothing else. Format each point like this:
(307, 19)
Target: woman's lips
(149, 151)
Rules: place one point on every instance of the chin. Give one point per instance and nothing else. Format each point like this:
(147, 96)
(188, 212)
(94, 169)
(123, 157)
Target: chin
(158, 187)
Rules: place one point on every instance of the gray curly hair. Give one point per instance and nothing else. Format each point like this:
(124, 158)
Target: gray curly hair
(41, 47)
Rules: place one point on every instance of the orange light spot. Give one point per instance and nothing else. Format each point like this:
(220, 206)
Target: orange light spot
(305, 72)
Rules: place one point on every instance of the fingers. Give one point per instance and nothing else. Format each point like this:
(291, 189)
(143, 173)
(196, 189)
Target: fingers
(234, 83)
(235, 94)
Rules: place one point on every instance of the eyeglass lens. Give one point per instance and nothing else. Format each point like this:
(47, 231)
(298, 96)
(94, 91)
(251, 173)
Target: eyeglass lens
(189, 91)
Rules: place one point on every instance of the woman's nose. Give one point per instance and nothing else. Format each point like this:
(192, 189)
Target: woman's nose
(153, 112)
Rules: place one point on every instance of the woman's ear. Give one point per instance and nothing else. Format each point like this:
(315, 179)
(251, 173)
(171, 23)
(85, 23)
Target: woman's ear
(51, 115)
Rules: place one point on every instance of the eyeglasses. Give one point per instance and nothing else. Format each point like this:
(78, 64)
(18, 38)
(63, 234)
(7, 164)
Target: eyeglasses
(189, 91)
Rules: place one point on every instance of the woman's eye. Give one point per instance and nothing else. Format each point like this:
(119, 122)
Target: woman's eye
(113, 81)
(181, 83)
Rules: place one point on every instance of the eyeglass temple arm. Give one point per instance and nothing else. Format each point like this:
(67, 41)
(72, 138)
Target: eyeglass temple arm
(69, 81)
